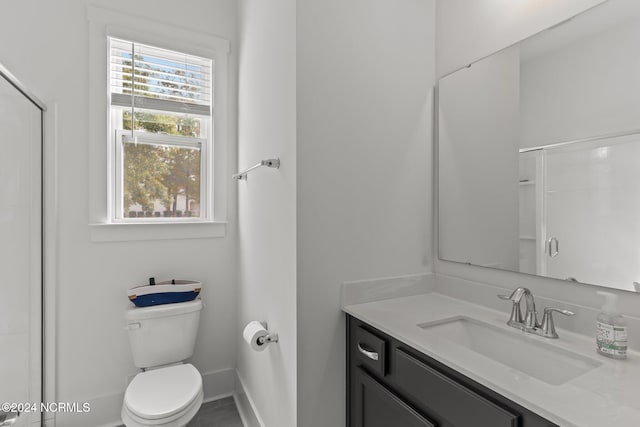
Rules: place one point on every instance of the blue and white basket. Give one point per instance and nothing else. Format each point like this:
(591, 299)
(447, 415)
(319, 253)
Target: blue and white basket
(167, 292)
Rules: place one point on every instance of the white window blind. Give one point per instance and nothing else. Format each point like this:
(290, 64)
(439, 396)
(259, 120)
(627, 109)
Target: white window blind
(163, 79)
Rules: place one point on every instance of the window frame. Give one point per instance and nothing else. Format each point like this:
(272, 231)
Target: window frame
(104, 23)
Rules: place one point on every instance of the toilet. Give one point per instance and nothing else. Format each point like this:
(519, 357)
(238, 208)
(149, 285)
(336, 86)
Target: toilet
(167, 393)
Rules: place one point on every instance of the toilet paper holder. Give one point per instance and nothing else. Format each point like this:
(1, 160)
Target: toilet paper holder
(271, 337)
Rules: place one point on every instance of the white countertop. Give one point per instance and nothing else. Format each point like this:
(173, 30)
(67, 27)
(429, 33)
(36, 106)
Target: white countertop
(608, 395)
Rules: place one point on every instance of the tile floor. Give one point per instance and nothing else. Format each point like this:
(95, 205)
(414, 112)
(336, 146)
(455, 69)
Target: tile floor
(219, 413)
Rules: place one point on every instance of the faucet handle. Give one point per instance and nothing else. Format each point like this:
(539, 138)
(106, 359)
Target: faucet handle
(548, 328)
(558, 310)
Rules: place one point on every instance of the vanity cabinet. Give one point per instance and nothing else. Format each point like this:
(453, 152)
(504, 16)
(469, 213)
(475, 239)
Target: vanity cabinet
(392, 385)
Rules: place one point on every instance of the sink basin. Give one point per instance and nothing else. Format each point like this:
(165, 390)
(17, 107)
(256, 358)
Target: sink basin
(514, 349)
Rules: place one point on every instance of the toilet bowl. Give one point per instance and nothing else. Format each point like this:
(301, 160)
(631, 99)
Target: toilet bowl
(167, 393)
(168, 397)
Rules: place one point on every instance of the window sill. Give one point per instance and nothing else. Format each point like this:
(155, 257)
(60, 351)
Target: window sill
(122, 232)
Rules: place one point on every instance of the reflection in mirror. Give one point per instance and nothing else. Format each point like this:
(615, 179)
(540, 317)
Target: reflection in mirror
(539, 153)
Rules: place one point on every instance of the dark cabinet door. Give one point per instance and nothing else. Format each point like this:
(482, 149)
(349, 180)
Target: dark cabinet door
(376, 406)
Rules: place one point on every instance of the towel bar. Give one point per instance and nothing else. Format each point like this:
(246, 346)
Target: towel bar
(270, 163)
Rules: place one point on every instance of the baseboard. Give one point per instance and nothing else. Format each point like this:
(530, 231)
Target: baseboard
(246, 407)
(105, 410)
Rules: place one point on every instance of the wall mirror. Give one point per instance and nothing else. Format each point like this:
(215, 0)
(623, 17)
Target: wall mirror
(539, 153)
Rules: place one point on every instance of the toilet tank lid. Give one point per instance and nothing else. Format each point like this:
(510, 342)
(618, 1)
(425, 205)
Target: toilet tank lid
(139, 313)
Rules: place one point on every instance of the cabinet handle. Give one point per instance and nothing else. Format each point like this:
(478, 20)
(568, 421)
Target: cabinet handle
(370, 354)
(553, 252)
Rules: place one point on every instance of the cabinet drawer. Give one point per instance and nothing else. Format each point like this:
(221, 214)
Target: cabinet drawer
(369, 350)
(450, 400)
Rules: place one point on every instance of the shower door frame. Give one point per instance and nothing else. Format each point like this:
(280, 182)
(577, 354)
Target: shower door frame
(13, 81)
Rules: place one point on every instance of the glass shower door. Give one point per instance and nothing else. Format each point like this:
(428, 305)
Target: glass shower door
(20, 253)
(592, 201)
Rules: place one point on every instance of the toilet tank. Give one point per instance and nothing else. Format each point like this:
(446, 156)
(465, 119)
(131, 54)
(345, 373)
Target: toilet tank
(163, 334)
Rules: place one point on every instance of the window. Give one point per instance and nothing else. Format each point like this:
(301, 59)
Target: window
(161, 123)
(204, 131)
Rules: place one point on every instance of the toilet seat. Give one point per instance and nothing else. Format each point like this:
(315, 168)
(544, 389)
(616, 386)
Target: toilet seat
(168, 396)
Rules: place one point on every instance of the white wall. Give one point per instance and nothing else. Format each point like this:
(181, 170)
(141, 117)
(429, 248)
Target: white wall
(469, 20)
(365, 75)
(468, 30)
(587, 88)
(479, 127)
(48, 51)
(267, 204)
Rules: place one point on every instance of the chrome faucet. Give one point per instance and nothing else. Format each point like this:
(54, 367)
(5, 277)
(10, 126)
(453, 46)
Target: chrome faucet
(530, 322)
(530, 316)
